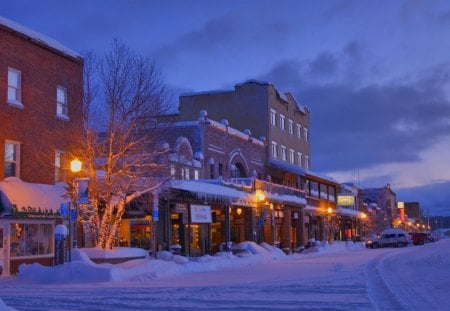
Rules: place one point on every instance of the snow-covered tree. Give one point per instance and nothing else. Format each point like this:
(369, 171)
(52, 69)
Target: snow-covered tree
(123, 94)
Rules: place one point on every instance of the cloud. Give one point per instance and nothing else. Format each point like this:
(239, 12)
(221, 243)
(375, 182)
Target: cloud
(356, 125)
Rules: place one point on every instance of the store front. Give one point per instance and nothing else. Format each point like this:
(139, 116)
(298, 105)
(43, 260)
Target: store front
(28, 216)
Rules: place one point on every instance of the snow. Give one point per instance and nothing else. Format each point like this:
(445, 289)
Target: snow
(31, 195)
(38, 37)
(210, 189)
(340, 276)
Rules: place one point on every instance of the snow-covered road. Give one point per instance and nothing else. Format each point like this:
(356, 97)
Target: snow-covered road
(411, 278)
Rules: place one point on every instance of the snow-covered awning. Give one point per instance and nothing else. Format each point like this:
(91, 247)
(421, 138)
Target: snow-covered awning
(348, 212)
(30, 197)
(285, 198)
(214, 191)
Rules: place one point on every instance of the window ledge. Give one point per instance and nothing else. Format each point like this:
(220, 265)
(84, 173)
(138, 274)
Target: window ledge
(15, 103)
(62, 117)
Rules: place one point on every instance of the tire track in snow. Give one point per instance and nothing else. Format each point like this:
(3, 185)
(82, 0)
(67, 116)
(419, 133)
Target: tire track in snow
(383, 297)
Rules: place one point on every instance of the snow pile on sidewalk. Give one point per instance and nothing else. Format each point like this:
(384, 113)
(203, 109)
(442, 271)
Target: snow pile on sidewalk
(83, 270)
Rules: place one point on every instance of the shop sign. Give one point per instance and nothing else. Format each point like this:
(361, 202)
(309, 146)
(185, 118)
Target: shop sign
(201, 214)
(32, 212)
(180, 208)
(346, 200)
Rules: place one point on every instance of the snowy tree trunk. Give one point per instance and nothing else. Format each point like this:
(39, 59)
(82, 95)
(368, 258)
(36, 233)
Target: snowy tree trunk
(104, 228)
(115, 228)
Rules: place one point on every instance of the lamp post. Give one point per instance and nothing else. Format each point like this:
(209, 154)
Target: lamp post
(329, 212)
(75, 167)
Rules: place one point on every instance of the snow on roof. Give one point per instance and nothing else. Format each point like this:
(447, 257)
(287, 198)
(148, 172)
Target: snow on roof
(285, 198)
(213, 190)
(348, 212)
(37, 196)
(234, 131)
(287, 167)
(39, 38)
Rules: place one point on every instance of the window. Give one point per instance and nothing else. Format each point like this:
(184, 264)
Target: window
(31, 239)
(282, 122)
(283, 153)
(61, 102)
(291, 156)
(14, 87)
(211, 169)
(274, 150)
(273, 117)
(196, 174)
(299, 159)
(299, 131)
(306, 135)
(187, 174)
(220, 169)
(58, 170)
(12, 159)
(172, 171)
(306, 162)
(291, 127)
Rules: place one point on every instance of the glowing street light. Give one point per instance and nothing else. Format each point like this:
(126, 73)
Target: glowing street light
(75, 165)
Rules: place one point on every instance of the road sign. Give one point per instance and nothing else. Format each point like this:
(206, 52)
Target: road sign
(155, 215)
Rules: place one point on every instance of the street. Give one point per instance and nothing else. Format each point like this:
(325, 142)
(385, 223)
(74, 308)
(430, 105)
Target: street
(364, 279)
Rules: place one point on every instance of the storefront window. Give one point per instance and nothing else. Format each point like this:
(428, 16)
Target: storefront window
(31, 239)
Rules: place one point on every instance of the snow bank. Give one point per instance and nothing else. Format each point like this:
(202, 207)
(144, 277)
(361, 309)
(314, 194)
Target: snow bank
(83, 270)
(4, 307)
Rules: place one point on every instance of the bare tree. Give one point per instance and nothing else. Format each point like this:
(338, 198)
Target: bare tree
(123, 94)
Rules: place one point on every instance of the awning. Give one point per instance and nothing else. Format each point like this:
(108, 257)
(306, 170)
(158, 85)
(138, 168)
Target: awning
(30, 197)
(348, 212)
(213, 191)
(285, 199)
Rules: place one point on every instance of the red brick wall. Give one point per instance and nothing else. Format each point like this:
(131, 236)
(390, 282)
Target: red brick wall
(222, 145)
(36, 126)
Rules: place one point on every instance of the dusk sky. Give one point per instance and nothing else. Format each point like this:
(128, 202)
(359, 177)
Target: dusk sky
(374, 74)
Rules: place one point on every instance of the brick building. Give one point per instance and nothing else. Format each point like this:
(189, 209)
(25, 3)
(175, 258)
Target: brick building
(41, 89)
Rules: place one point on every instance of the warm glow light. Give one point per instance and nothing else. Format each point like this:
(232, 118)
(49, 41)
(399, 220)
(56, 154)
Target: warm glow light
(260, 196)
(239, 211)
(75, 165)
(363, 216)
(329, 210)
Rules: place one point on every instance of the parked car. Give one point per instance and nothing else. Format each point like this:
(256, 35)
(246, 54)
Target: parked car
(389, 237)
(419, 238)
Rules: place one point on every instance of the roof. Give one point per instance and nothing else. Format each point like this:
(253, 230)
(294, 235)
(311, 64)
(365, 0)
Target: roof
(285, 166)
(39, 38)
(213, 191)
(30, 196)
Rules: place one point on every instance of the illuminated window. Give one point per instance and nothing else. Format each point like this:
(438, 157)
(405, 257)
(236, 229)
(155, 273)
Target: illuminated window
(12, 159)
(196, 174)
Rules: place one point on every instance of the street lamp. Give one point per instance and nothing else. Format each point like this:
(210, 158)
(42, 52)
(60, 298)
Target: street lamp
(75, 167)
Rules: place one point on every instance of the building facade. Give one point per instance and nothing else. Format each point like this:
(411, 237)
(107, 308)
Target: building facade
(41, 89)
